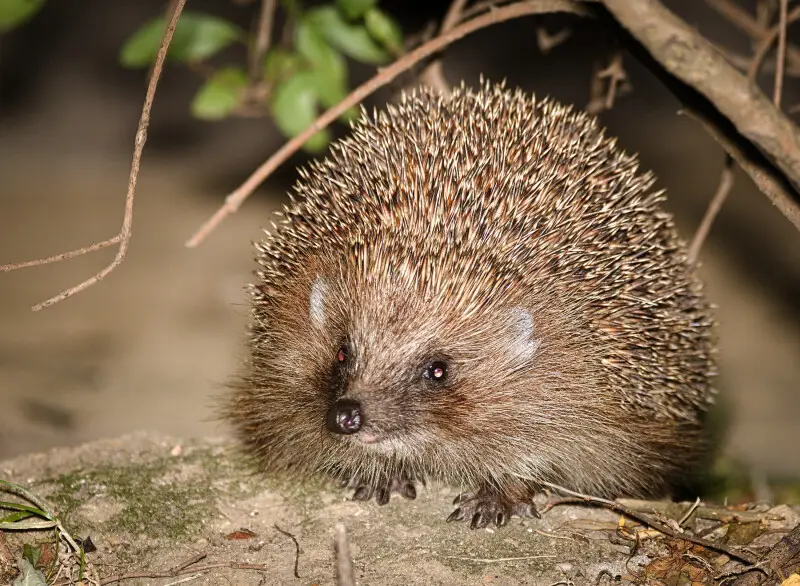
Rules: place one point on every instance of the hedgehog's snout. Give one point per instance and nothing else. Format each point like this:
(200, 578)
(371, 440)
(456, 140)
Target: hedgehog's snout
(344, 417)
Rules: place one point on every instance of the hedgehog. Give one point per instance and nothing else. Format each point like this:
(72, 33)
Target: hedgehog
(480, 288)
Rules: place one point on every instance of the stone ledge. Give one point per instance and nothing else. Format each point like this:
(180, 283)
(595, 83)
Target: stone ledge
(150, 502)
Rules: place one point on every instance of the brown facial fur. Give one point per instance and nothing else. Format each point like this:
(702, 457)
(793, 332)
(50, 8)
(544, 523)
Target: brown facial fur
(508, 237)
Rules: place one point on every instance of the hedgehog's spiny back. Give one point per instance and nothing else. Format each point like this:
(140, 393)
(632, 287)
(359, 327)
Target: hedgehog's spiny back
(520, 190)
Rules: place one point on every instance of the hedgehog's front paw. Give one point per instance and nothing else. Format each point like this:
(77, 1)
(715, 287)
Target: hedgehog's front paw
(486, 506)
(382, 488)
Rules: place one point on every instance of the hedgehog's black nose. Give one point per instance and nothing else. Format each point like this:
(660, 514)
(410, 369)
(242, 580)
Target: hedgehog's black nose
(344, 417)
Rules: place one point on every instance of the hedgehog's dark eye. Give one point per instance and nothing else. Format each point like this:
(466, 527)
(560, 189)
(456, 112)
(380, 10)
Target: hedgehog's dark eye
(341, 355)
(436, 371)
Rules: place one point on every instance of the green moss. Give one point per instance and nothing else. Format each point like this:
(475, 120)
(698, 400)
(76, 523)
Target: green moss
(167, 497)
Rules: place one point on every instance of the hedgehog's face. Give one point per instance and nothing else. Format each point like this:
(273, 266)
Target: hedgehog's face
(404, 375)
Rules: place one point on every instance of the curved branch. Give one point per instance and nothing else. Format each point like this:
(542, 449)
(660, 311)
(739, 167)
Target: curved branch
(695, 61)
(385, 76)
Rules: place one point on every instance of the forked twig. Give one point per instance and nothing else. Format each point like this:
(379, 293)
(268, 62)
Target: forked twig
(658, 525)
(433, 75)
(692, 59)
(762, 176)
(63, 256)
(751, 26)
(766, 44)
(124, 236)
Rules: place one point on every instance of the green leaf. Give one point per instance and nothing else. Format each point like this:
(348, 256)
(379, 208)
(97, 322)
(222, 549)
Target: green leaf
(329, 67)
(329, 94)
(351, 39)
(13, 13)
(280, 64)
(20, 507)
(294, 108)
(31, 553)
(14, 517)
(385, 30)
(197, 37)
(311, 44)
(220, 95)
(354, 9)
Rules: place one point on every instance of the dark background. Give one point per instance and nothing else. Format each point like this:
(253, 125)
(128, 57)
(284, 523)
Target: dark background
(151, 345)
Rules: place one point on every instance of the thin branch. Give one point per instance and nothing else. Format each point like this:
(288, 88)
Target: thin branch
(602, 98)
(658, 525)
(741, 18)
(714, 206)
(263, 39)
(783, 25)
(695, 61)
(778, 193)
(63, 256)
(433, 75)
(742, 63)
(124, 235)
(766, 44)
(174, 573)
(296, 549)
(385, 76)
(708, 512)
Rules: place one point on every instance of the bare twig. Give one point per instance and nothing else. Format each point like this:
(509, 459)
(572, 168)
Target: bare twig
(499, 560)
(603, 98)
(782, 25)
(296, 549)
(779, 562)
(695, 61)
(704, 511)
(547, 42)
(191, 561)
(344, 563)
(261, 44)
(714, 206)
(741, 18)
(124, 236)
(663, 528)
(385, 76)
(742, 63)
(433, 75)
(778, 193)
(62, 256)
(766, 44)
(183, 569)
(689, 512)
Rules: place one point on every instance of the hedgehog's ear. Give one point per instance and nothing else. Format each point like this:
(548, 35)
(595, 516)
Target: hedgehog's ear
(524, 342)
(317, 299)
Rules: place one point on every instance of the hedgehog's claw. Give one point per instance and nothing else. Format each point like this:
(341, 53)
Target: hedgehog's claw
(381, 489)
(485, 506)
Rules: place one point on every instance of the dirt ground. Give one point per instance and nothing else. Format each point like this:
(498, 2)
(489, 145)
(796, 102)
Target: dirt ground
(151, 503)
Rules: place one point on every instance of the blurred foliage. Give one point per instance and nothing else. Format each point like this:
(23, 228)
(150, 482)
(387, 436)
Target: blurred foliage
(197, 38)
(13, 13)
(302, 75)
